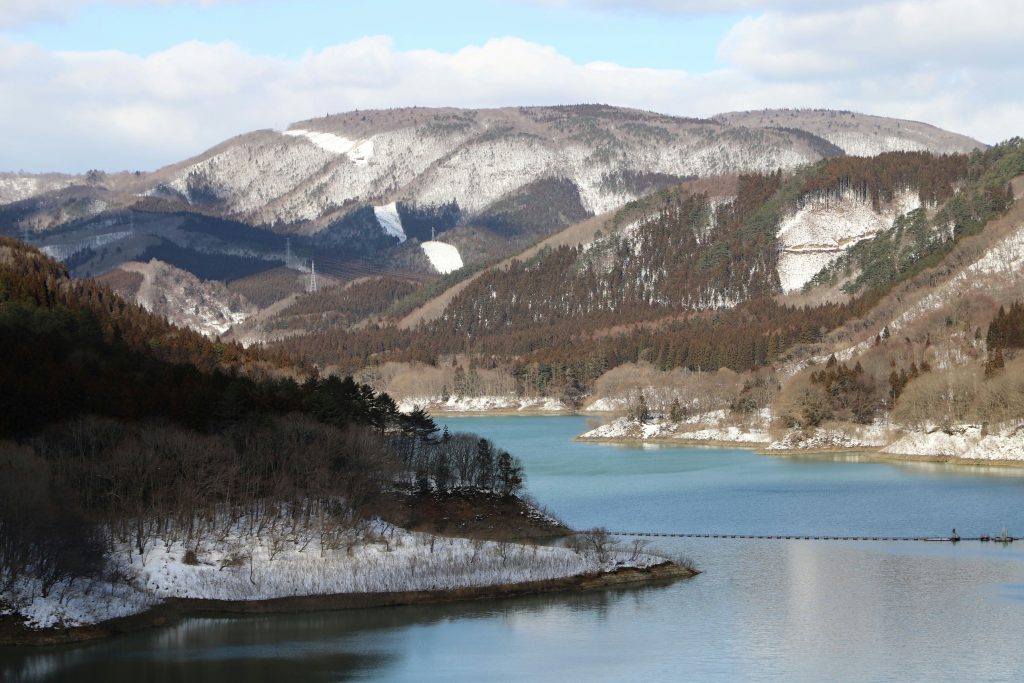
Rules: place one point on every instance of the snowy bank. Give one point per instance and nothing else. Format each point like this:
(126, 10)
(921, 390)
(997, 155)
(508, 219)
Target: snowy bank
(704, 427)
(277, 565)
(965, 442)
(834, 438)
(480, 404)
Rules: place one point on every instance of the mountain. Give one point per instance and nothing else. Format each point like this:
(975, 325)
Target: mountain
(702, 275)
(365, 191)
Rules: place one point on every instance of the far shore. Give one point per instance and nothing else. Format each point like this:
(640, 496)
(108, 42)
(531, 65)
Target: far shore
(869, 455)
(174, 610)
(760, 448)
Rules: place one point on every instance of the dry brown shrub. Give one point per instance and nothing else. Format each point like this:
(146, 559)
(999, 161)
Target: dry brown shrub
(695, 391)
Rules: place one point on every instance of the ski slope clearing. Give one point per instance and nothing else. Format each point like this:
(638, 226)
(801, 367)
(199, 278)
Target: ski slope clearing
(445, 258)
(390, 221)
(358, 151)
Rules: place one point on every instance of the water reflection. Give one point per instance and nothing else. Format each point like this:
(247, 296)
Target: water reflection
(927, 467)
(310, 647)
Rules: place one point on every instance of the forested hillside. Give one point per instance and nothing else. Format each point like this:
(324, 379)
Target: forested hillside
(694, 284)
(121, 431)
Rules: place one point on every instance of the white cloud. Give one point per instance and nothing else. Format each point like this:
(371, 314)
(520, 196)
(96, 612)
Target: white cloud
(75, 110)
(894, 37)
(18, 12)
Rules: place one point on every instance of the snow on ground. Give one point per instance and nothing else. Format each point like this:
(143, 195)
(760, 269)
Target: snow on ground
(710, 427)
(965, 441)
(606, 404)
(359, 151)
(390, 221)
(476, 404)
(837, 437)
(14, 187)
(206, 306)
(278, 564)
(444, 257)
(818, 234)
(998, 266)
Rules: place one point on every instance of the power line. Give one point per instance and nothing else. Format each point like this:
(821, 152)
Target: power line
(312, 277)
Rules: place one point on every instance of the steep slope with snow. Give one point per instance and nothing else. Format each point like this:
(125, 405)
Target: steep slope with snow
(817, 234)
(15, 187)
(183, 299)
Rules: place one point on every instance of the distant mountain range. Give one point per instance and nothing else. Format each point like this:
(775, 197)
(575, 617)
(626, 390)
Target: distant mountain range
(361, 192)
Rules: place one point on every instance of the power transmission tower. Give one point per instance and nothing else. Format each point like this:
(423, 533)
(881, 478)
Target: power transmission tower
(287, 252)
(312, 277)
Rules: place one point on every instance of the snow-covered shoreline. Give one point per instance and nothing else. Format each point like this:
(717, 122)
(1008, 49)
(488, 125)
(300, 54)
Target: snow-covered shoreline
(967, 444)
(483, 404)
(276, 565)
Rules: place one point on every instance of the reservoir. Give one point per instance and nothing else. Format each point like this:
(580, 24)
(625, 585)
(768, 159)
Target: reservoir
(763, 610)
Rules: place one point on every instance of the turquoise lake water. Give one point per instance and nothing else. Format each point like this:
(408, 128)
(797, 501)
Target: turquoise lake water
(761, 611)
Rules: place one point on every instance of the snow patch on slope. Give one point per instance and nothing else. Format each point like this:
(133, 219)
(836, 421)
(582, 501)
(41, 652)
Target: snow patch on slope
(818, 234)
(14, 188)
(444, 257)
(834, 437)
(359, 151)
(390, 221)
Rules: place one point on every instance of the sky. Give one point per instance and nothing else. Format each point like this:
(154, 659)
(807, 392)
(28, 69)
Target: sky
(137, 84)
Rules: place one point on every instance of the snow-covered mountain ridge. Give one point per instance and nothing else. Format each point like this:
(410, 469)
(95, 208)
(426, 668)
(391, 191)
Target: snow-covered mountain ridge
(476, 157)
(360, 185)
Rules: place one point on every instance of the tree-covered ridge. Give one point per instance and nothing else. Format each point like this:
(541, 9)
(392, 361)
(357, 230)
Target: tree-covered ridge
(342, 306)
(108, 441)
(74, 348)
(28, 278)
(645, 293)
(921, 239)
(881, 178)
(688, 255)
(691, 253)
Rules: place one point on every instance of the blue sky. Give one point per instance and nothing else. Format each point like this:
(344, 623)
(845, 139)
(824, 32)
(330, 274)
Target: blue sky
(136, 84)
(632, 38)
